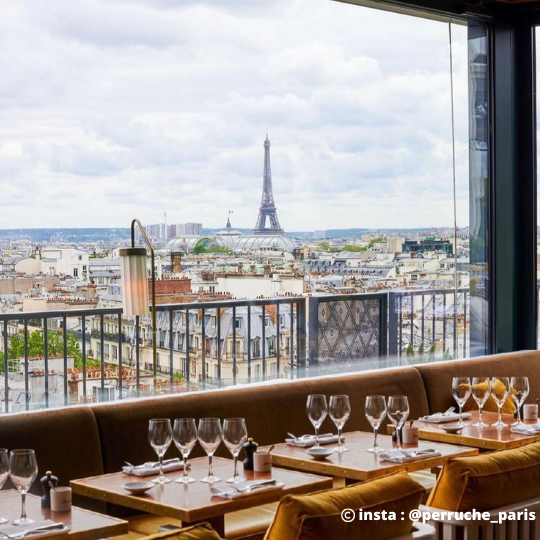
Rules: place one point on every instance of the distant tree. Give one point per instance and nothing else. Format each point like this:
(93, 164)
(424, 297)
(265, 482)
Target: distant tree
(375, 241)
(350, 247)
(325, 246)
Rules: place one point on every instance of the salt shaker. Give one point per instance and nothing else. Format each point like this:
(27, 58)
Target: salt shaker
(48, 482)
(249, 448)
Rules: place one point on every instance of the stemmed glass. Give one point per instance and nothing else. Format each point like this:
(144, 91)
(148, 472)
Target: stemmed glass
(500, 388)
(210, 436)
(480, 389)
(185, 437)
(398, 412)
(519, 388)
(317, 410)
(461, 389)
(4, 473)
(234, 436)
(339, 409)
(22, 473)
(375, 411)
(160, 437)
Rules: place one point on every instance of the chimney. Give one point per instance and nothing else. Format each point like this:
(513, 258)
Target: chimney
(176, 261)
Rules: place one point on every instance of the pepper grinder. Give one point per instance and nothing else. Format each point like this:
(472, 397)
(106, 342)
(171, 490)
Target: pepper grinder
(48, 482)
(249, 448)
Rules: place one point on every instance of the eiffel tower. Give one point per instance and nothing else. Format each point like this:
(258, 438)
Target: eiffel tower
(268, 207)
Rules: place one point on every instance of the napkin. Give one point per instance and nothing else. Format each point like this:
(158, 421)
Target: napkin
(307, 441)
(531, 429)
(404, 456)
(142, 470)
(442, 418)
(16, 530)
(228, 492)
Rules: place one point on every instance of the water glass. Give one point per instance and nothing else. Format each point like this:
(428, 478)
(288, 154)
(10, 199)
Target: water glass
(185, 438)
(4, 473)
(375, 411)
(500, 388)
(519, 388)
(234, 437)
(339, 409)
(480, 390)
(22, 473)
(317, 409)
(210, 435)
(160, 437)
(461, 390)
(398, 412)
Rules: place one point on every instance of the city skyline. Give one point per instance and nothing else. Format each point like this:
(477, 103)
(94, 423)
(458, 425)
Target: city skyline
(165, 109)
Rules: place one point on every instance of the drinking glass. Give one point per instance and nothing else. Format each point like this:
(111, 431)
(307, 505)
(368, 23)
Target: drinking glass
(234, 437)
(4, 473)
(160, 437)
(375, 411)
(461, 389)
(500, 388)
(519, 388)
(210, 436)
(480, 389)
(22, 473)
(317, 410)
(185, 437)
(398, 412)
(339, 409)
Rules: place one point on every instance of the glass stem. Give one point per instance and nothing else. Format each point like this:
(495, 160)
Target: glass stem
(375, 430)
(480, 416)
(460, 413)
(23, 509)
(210, 470)
(316, 436)
(500, 414)
(235, 457)
(339, 429)
(185, 464)
(160, 456)
(398, 445)
(518, 414)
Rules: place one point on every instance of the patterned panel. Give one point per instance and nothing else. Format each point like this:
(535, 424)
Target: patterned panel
(349, 330)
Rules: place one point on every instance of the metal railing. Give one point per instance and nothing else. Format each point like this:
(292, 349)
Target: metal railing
(212, 344)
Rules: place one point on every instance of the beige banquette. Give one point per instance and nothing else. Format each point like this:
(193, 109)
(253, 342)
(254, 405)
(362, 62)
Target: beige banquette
(87, 440)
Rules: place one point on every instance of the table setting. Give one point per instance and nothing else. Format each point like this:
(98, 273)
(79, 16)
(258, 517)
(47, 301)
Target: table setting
(37, 529)
(243, 489)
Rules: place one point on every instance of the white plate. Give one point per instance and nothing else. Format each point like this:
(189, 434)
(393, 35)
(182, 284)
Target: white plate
(320, 453)
(138, 488)
(451, 428)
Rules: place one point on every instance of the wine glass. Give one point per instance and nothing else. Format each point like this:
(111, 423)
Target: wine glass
(22, 473)
(339, 409)
(160, 437)
(185, 437)
(317, 410)
(480, 390)
(500, 388)
(209, 434)
(461, 389)
(234, 437)
(519, 388)
(398, 412)
(375, 411)
(4, 473)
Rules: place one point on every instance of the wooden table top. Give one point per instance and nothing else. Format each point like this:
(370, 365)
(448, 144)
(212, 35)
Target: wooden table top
(195, 502)
(83, 524)
(488, 438)
(358, 463)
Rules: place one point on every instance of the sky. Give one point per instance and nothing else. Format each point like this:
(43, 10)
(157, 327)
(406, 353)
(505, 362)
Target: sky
(115, 109)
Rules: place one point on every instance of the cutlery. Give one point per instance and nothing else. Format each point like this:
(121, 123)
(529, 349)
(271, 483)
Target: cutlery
(303, 437)
(246, 489)
(151, 463)
(36, 530)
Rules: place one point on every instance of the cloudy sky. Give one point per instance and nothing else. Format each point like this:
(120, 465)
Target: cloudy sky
(114, 109)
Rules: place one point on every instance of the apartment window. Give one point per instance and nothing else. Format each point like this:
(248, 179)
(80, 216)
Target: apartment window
(256, 348)
(114, 352)
(75, 272)
(257, 372)
(237, 323)
(80, 257)
(107, 351)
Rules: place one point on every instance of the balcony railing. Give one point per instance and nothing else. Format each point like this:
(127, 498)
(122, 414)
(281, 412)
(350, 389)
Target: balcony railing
(230, 342)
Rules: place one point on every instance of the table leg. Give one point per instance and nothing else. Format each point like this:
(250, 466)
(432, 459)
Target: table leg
(217, 523)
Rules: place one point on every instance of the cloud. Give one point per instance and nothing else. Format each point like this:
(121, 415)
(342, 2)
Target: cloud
(112, 109)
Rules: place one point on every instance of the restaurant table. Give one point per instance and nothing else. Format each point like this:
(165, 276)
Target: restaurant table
(193, 503)
(487, 438)
(82, 524)
(360, 465)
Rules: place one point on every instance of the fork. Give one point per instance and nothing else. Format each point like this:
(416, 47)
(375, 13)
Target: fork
(247, 489)
(36, 530)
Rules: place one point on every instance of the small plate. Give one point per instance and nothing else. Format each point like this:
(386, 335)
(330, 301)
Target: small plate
(451, 428)
(320, 453)
(138, 488)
